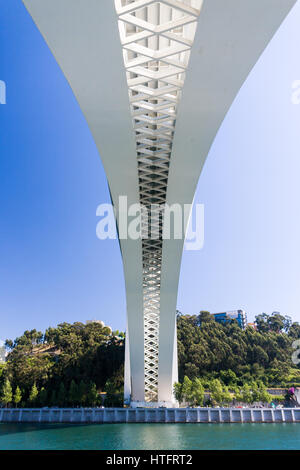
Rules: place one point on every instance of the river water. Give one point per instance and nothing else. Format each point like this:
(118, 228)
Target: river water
(149, 436)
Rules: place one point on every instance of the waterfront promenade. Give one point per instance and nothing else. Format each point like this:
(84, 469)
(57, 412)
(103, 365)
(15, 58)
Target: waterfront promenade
(148, 415)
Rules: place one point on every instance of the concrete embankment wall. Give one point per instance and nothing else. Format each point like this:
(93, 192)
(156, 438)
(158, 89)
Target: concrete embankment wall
(146, 415)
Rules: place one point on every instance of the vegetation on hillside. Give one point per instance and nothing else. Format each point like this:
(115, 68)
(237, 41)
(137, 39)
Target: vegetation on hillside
(70, 364)
(208, 350)
(235, 365)
(66, 366)
(192, 392)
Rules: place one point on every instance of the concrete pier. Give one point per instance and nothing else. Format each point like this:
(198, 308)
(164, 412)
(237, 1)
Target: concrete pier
(148, 415)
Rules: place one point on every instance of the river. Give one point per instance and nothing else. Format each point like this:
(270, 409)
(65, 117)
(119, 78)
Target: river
(149, 436)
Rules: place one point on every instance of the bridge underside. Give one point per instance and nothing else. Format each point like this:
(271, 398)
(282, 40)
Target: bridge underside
(155, 80)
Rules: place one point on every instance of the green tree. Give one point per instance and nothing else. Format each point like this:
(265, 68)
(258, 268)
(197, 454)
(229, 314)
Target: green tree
(197, 392)
(247, 394)
(264, 396)
(2, 369)
(43, 397)
(255, 391)
(9, 344)
(17, 396)
(92, 395)
(73, 394)
(276, 322)
(114, 397)
(61, 395)
(7, 395)
(187, 390)
(228, 377)
(33, 395)
(216, 391)
(178, 392)
(294, 330)
(82, 393)
(53, 399)
(190, 391)
(226, 397)
(262, 322)
(287, 323)
(237, 394)
(204, 317)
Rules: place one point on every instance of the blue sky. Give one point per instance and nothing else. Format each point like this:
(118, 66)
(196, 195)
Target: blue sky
(52, 266)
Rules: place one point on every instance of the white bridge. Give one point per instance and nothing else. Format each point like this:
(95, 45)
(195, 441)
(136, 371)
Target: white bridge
(155, 80)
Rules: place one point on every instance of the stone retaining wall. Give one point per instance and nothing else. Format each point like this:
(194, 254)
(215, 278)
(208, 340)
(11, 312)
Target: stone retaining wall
(146, 415)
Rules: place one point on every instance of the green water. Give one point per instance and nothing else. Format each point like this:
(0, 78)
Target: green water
(149, 436)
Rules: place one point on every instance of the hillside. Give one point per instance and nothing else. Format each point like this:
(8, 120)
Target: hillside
(69, 364)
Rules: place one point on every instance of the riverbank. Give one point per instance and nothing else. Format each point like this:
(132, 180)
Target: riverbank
(148, 415)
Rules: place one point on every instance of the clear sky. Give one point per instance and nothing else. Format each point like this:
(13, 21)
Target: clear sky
(52, 266)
